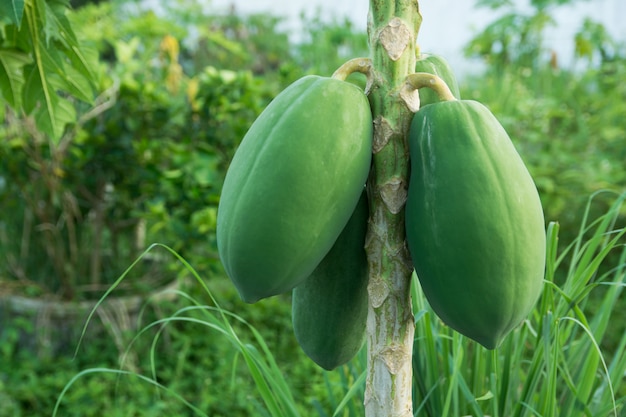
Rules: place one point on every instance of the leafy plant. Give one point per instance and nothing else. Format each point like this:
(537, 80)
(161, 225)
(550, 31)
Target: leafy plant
(43, 63)
(516, 38)
(593, 39)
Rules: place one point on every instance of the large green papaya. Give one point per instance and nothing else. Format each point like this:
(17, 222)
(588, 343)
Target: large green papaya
(293, 184)
(474, 221)
(329, 309)
(436, 65)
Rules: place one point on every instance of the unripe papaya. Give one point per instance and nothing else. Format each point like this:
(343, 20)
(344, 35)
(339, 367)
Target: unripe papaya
(436, 65)
(474, 221)
(329, 309)
(293, 184)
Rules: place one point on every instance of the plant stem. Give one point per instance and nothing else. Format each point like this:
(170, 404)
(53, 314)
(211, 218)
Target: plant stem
(392, 29)
(435, 83)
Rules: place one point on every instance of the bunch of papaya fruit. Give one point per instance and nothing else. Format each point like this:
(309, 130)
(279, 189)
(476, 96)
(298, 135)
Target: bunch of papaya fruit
(293, 213)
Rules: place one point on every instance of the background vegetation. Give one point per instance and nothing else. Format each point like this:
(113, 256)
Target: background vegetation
(180, 92)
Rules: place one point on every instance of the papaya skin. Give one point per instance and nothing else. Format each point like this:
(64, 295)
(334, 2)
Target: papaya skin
(475, 225)
(329, 309)
(293, 184)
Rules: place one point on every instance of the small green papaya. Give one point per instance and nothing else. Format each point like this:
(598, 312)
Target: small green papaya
(329, 309)
(293, 184)
(436, 65)
(474, 222)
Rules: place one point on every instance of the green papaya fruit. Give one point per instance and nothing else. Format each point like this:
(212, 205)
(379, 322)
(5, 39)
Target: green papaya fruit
(293, 184)
(436, 65)
(329, 309)
(474, 222)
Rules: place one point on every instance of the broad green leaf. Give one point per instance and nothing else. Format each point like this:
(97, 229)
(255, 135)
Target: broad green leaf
(38, 96)
(11, 75)
(64, 114)
(70, 79)
(14, 10)
(35, 90)
(83, 60)
(58, 26)
(77, 85)
(44, 25)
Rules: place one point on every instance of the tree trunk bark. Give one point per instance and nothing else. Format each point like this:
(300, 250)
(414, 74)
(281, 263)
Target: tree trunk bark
(392, 29)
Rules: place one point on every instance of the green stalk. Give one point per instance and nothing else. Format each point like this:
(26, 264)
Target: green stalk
(392, 29)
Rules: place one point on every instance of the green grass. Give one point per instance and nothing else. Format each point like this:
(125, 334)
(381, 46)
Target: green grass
(559, 362)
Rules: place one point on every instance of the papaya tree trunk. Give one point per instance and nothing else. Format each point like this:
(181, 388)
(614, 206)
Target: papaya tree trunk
(392, 31)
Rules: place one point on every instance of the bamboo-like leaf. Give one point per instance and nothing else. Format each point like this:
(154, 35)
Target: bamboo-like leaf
(469, 396)
(602, 316)
(454, 375)
(426, 364)
(584, 252)
(552, 238)
(505, 378)
(494, 400)
(552, 372)
(546, 394)
(480, 370)
(617, 370)
(532, 378)
(589, 368)
(358, 385)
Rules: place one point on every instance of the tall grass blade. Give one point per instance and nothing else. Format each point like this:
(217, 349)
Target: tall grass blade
(354, 389)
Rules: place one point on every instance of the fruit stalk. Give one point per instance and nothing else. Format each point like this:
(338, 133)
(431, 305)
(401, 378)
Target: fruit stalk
(392, 31)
